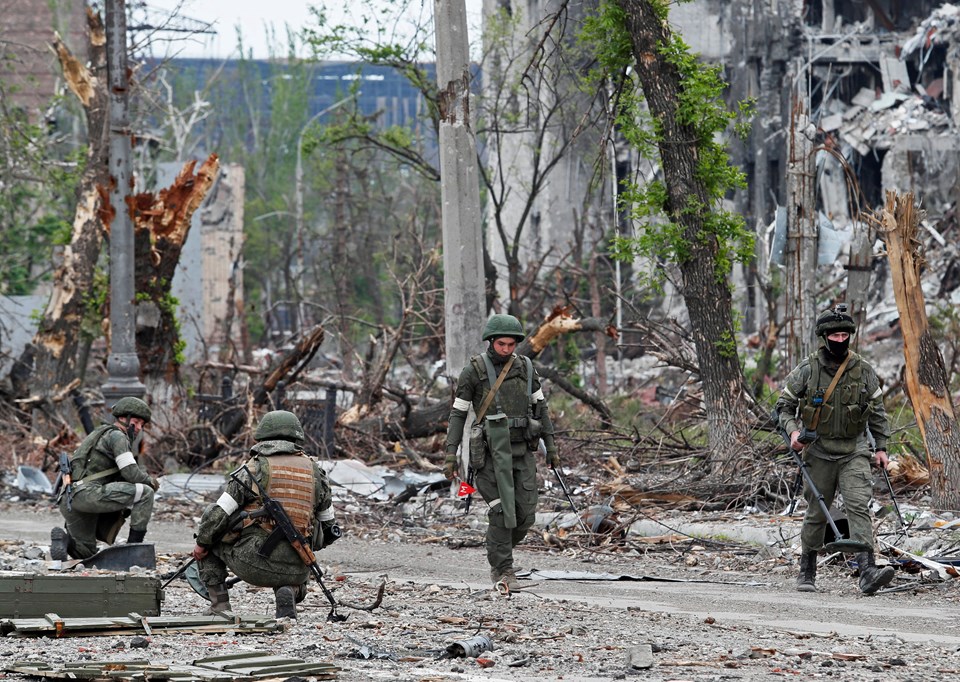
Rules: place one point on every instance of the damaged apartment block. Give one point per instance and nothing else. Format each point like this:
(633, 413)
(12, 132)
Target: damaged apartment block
(852, 98)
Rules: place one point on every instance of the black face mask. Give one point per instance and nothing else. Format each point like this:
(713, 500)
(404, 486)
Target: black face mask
(131, 432)
(838, 349)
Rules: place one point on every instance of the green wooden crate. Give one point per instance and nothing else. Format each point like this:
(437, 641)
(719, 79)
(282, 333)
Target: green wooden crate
(75, 596)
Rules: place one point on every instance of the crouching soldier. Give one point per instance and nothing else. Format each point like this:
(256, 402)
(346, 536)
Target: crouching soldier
(234, 531)
(108, 485)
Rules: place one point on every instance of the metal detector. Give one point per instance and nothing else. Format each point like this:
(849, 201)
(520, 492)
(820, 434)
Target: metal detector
(893, 498)
(841, 544)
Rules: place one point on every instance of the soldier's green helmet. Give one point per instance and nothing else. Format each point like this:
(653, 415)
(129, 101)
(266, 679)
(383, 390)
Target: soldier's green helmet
(131, 407)
(279, 425)
(836, 320)
(503, 325)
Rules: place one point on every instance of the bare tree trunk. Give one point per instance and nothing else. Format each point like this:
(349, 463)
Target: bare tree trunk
(708, 301)
(54, 346)
(598, 338)
(927, 382)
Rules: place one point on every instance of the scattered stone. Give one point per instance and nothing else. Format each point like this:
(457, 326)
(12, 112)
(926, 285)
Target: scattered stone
(139, 642)
(640, 657)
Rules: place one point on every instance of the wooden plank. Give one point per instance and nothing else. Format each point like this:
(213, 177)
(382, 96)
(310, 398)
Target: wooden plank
(202, 670)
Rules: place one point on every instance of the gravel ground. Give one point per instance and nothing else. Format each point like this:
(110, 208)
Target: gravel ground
(707, 611)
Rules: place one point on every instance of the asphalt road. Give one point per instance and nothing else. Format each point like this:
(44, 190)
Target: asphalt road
(759, 600)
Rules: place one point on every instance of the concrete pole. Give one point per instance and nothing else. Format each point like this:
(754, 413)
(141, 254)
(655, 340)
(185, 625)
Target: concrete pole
(802, 233)
(463, 284)
(123, 365)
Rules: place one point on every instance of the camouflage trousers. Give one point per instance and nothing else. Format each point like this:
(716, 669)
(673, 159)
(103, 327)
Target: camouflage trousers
(282, 567)
(98, 512)
(854, 480)
(500, 539)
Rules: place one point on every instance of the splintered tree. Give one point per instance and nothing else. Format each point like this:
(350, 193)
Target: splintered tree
(927, 381)
(161, 224)
(53, 353)
(680, 217)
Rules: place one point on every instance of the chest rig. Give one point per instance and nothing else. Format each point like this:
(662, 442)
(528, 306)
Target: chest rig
(289, 480)
(844, 415)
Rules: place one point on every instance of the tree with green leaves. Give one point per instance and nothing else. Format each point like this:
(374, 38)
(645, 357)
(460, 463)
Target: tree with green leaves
(670, 104)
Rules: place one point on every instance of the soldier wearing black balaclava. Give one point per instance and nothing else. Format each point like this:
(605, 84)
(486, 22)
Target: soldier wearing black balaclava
(840, 456)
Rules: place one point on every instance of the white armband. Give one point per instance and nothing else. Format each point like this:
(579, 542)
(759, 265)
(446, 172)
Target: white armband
(461, 404)
(787, 392)
(125, 460)
(876, 394)
(538, 395)
(326, 514)
(138, 492)
(228, 504)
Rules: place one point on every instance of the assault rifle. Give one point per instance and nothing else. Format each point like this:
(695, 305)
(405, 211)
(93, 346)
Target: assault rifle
(65, 480)
(284, 528)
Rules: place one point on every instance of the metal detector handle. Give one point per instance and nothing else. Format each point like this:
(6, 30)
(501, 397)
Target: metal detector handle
(893, 498)
(566, 493)
(816, 491)
(178, 573)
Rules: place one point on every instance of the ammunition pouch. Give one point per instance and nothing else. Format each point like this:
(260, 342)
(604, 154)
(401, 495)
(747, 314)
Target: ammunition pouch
(478, 446)
(533, 431)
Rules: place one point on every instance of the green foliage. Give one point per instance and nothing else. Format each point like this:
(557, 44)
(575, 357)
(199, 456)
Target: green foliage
(702, 112)
(38, 179)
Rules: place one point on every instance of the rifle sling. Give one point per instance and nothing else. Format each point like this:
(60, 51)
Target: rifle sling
(826, 396)
(485, 405)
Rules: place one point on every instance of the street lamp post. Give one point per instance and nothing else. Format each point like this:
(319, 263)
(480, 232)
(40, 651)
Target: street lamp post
(298, 186)
(123, 365)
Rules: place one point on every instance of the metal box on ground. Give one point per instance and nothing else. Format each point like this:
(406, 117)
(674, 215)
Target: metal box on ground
(76, 596)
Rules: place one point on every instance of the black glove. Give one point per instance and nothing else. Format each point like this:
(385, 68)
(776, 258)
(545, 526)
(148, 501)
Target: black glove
(331, 534)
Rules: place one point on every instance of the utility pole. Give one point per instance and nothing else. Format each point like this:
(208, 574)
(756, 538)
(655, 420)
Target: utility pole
(463, 283)
(123, 365)
(802, 232)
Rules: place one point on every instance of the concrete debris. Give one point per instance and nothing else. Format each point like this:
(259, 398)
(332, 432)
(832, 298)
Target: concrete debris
(640, 657)
(942, 27)
(32, 480)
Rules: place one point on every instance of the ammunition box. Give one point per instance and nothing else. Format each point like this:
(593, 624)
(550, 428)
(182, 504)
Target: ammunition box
(35, 595)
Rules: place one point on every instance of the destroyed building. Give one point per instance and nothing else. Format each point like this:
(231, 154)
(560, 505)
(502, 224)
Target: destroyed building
(855, 95)
(874, 82)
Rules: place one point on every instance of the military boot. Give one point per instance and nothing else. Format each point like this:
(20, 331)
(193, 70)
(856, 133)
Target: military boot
(219, 599)
(807, 580)
(136, 535)
(286, 599)
(61, 544)
(505, 579)
(872, 578)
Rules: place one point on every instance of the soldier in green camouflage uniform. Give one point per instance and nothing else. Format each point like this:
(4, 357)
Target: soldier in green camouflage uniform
(510, 487)
(228, 537)
(108, 485)
(840, 457)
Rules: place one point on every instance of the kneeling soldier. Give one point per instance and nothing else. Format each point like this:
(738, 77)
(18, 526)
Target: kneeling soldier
(108, 485)
(229, 538)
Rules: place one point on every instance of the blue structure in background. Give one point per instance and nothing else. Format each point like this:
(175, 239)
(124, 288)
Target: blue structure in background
(383, 91)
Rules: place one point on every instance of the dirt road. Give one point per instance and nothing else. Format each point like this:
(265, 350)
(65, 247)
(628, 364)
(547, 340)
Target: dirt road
(699, 623)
